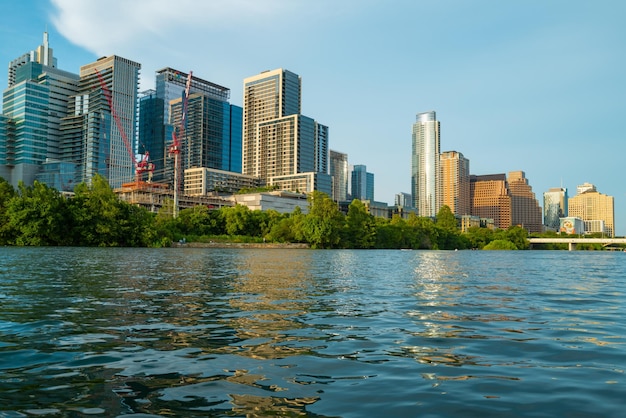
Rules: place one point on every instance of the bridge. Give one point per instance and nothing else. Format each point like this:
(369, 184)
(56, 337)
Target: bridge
(573, 241)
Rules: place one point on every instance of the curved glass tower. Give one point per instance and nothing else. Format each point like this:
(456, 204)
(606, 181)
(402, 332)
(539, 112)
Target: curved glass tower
(425, 182)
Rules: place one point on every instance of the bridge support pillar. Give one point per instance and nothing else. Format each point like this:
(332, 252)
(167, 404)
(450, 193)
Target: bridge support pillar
(572, 246)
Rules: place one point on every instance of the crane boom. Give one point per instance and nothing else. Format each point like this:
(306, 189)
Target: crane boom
(174, 149)
(140, 167)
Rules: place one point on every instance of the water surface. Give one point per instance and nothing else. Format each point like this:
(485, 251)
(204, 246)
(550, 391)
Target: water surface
(253, 332)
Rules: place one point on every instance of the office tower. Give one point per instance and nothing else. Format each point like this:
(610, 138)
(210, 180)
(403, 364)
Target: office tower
(215, 136)
(5, 143)
(42, 55)
(151, 131)
(92, 137)
(491, 199)
(35, 101)
(525, 210)
(425, 182)
(339, 174)
(281, 146)
(554, 207)
(212, 136)
(403, 200)
(592, 207)
(455, 182)
(362, 183)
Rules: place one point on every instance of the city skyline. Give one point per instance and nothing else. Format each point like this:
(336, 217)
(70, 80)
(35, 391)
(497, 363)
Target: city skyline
(523, 86)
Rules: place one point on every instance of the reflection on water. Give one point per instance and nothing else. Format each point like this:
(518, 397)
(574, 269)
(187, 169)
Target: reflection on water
(197, 332)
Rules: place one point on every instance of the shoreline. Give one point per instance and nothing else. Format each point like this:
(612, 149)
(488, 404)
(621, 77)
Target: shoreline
(271, 245)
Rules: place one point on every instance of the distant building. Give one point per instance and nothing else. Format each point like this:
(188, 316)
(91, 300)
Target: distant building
(362, 183)
(339, 174)
(571, 225)
(590, 205)
(280, 201)
(507, 201)
(525, 210)
(455, 182)
(404, 200)
(425, 176)
(203, 181)
(554, 207)
(491, 199)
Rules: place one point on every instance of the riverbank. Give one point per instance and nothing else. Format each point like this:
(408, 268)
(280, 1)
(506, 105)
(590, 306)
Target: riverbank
(268, 245)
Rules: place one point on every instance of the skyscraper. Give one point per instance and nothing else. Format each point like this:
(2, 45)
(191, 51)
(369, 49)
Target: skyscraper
(455, 182)
(91, 136)
(491, 199)
(362, 183)
(525, 210)
(425, 176)
(280, 146)
(554, 207)
(592, 206)
(35, 101)
(339, 174)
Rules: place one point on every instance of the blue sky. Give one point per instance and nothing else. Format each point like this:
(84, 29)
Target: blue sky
(532, 85)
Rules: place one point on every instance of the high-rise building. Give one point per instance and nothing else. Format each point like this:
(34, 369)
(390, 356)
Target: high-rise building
(339, 174)
(525, 210)
(491, 199)
(554, 207)
(362, 183)
(35, 101)
(42, 55)
(403, 200)
(425, 181)
(280, 144)
(592, 206)
(455, 182)
(213, 130)
(92, 138)
(5, 147)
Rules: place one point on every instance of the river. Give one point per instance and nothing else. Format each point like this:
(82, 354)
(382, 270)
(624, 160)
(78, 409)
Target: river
(311, 333)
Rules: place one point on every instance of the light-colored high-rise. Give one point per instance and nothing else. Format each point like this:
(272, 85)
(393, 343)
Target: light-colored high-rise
(455, 182)
(279, 144)
(554, 207)
(592, 206)
(425, 175)
(91, 136)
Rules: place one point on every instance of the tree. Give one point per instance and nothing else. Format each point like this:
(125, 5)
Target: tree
(322, 223)
(359, 230)
(7, 192)
(445, 219)
(236, 219)
(38, 215)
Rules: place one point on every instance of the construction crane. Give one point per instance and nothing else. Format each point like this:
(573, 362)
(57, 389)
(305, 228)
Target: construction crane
(143, 166)
(174, 148)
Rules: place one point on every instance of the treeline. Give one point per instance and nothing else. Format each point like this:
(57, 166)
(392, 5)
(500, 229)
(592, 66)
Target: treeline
(38, 215)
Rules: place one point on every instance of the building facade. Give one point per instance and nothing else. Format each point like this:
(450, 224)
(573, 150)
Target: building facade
(425, 178)
(339, 172)
(525, 210)
(279, 142)
(455, 182)
(554, 207)
(92, 136)
(491, 199)
(35, 102)
(362, 183)
(590, 205)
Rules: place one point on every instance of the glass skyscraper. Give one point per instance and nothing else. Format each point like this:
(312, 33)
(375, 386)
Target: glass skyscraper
(362, 183)
(340, 177)
(554, 207)
(425, 176)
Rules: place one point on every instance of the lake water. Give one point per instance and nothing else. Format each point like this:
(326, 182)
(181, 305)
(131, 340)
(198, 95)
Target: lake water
(268, 332)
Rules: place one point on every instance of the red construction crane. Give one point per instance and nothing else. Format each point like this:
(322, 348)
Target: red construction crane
(142, 166)
(174, 148)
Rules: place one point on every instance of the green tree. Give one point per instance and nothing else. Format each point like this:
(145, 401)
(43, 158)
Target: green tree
(236, 219)
(359, 230)
(500, 244)
(445, 219)
(322, 224)
(38, 215)
(7, 192)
